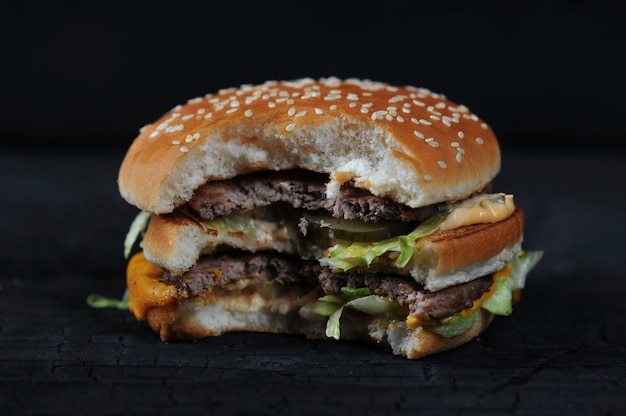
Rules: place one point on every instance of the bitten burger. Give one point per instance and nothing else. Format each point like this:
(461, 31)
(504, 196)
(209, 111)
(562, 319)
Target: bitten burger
(336, 209)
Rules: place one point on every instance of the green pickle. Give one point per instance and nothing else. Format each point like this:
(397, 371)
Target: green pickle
(324, 227)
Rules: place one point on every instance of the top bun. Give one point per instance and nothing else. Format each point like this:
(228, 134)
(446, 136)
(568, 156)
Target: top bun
(405, 143)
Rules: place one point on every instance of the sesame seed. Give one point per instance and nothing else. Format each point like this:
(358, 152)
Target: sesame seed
(196, 136)
(248, 113)
(290, 127)
(188, 138)
(333, 107)
(319, 111)
(460, 134)
(432, 142)
(419, 103)
(365, 110)
(231, 110)
(153, 134)
(397, 98)
(301, 113)
(414, 120)
(291, 112)
(455, 144)
(271, 104)
(442, 164)
(184, 149)
(432, 117)
(479, 140)
(428, 178)
(208, 115)
(418, 134)
(175, 128)
(425, 122)
(176, 142)
(400, 119)
(187, 117)
(459, 157)
(352, 104)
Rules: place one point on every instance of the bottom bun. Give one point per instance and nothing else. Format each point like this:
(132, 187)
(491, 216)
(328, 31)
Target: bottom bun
(272, 308)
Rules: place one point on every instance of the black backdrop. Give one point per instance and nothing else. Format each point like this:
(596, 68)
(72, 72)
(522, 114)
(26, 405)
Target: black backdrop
(94, 72)
(78, 79)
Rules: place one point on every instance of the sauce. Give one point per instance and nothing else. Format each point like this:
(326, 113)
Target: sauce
(480, 209)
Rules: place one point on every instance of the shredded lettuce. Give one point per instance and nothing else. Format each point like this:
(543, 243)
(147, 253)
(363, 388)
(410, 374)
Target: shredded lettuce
(347, 255)
(501, 301)
(456, 324)
(362, 299)
(100, 302)
(137, 227)
(521, 266)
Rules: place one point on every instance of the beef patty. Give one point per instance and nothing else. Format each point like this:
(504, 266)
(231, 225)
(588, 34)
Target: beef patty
(224, 269)
(301, 189)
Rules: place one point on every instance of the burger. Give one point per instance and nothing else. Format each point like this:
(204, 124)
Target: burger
(331, 209)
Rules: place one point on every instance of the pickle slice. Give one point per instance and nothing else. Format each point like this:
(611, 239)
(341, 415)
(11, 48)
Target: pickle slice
(324, 226)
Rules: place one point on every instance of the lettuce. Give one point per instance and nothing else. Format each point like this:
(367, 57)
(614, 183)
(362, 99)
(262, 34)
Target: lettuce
(347, 255)
(137, 227)
(101, 302)
(456, 324)
(521, 266)
(360, 299)
(501, 301)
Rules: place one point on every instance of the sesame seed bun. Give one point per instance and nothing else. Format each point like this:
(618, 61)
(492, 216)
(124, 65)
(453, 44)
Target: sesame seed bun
(406, 143)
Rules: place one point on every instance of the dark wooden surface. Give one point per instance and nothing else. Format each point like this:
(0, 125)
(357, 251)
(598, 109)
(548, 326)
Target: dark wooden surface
(62, 224)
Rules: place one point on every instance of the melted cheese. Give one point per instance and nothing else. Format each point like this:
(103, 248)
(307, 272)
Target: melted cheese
(413, 322)
(487, 208)
(145, 291)
(504, 273)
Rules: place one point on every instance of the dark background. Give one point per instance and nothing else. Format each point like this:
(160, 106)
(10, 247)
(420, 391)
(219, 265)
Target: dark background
(78, 80)
(93, 73)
